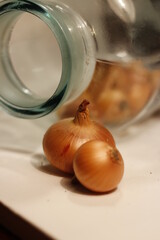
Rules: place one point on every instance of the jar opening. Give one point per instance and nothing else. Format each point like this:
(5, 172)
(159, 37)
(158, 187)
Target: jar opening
(29, 88)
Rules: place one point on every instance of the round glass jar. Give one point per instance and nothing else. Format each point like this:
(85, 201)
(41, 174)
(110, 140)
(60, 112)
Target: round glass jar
(109, 55)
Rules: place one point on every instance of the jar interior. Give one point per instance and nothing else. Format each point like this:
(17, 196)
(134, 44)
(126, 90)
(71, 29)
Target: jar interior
(35, 55)
(119, 93)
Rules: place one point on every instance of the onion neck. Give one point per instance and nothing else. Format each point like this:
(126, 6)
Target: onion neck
(82, 115)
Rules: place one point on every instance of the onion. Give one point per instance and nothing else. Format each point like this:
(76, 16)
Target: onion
(98, 166)
(62, 140)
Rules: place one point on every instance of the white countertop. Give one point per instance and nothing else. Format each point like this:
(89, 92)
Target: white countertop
(30, 187)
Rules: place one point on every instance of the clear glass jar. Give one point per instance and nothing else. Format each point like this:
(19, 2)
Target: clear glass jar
(109, 51)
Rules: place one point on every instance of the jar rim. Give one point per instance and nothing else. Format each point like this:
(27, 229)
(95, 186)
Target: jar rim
(40, 107)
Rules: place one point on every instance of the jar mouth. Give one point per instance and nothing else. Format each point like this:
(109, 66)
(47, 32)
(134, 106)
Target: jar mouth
(15, 97)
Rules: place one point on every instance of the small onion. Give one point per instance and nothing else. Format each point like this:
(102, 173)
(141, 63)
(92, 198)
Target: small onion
(62, 140)
(98, 166)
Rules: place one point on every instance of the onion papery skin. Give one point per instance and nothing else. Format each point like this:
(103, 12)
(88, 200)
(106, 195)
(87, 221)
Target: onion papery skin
(98, 166)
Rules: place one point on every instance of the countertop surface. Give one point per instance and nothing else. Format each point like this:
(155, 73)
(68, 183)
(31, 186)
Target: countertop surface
(46, 198)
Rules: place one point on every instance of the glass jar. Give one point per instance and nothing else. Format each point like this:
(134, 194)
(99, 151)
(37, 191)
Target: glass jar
(109, 51)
